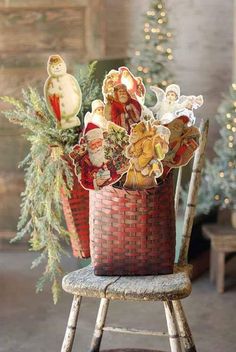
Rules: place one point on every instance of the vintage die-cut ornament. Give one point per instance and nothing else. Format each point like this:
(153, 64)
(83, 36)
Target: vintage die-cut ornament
(122, 109)
(148, 146)
(184, 140)
(97, 116)
(93, 168)
(171, 105)
(62, 93)
(134, 85)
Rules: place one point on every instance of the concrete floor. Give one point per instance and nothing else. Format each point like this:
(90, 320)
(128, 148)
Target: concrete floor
(31, 322)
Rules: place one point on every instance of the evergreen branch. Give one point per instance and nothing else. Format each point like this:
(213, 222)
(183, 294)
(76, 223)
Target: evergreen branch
(47, 173)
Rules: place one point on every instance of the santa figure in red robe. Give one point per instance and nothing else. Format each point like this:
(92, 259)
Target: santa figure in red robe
(122, 109)
(95, 171)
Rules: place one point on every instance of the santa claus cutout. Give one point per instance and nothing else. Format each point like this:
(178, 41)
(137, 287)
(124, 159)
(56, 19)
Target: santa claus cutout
(122, 109)
(94, 171)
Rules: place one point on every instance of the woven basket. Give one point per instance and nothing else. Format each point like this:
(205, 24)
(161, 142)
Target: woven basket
(76, 212)
(133, 232)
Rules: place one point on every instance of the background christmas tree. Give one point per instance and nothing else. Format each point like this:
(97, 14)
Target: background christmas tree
(152, 56)
(218, 186)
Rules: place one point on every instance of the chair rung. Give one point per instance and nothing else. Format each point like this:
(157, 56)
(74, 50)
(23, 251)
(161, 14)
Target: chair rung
(135, 331)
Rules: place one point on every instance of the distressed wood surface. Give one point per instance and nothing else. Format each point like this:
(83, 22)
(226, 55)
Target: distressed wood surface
(99, 326)
(132, 331)
(42, 29)
(223, 238)
(192, 194)
(183, 327)
(172, 327)
(137, 288)
(177, 190)
(71, 325)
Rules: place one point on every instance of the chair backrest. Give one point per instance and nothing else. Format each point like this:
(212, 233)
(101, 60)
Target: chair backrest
(192, 193)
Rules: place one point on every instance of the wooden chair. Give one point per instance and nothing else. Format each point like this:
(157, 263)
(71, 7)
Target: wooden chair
(169, 289)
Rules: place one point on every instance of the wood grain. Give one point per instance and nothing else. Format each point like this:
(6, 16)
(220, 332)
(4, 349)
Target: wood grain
(137, 288)
(39, 30)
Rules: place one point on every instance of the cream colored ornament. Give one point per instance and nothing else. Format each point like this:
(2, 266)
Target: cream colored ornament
(62, 93)
(97, 115)
(170, 105)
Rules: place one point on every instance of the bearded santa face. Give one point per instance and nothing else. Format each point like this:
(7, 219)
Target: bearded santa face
(122, 95)
(96, 152)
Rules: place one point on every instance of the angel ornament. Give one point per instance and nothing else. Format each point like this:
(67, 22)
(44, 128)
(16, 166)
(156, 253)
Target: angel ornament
(170, 105)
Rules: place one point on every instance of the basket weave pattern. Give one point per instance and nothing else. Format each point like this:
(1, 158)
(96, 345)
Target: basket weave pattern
(76, 212)
(133, 232)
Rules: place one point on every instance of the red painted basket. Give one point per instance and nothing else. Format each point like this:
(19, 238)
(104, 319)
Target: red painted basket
(133, 232)
(76, 212)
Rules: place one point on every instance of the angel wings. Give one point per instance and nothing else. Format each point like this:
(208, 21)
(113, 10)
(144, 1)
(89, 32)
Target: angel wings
(170, 104)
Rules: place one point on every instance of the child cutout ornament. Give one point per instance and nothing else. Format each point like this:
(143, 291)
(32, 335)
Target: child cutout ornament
(148, 146)
(97, 115)
(62, 93)
(170, 104)
(92, 168)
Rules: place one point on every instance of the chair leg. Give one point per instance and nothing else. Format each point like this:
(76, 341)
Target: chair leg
(183, 327)
(175, 345)
(100, 322)
(71, 325)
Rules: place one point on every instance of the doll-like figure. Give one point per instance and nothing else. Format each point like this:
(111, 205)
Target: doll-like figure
(148, 146)
(97, 115)
(171, 105)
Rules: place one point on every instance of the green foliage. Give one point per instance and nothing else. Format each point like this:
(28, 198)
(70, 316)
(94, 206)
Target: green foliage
(116, 142)
(47, 174)
(218, 186)
(153, 55)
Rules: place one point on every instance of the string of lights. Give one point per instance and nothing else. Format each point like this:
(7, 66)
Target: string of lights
(219, 178)
(153, 54)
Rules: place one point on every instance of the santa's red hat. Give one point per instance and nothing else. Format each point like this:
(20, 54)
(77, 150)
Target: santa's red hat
(92, 132)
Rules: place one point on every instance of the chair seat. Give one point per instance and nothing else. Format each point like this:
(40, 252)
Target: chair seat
(83, 282)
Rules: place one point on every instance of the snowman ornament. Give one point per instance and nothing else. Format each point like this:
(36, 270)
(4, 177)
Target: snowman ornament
(62, 93)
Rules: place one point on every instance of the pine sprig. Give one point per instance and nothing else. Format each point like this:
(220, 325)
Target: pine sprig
(47, 174)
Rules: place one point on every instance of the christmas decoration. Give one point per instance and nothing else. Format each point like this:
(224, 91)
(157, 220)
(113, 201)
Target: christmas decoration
(94, 158)
(171, 105)
(62, 93)
(153, 55)
(184, 140)
(218, 186)
(102, 153)
(97, 115)
(47, 174)
(148, 145)
(134, 85)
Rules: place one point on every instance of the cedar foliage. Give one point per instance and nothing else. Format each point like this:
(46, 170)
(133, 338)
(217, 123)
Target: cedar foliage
(46, 174)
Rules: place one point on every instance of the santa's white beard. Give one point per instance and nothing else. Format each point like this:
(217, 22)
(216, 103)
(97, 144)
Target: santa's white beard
(97, 157)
